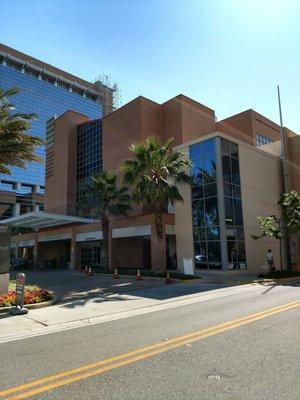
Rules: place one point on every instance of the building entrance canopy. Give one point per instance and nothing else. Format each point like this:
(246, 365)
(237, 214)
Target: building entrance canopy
(38, 220)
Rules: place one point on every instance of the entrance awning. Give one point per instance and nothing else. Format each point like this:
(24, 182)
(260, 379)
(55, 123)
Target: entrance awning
(39, 219)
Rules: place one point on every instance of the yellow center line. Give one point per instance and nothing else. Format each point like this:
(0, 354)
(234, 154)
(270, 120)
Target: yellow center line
(136, 355)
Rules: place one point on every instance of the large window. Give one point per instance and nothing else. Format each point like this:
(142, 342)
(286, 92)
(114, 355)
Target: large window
(207, 250)
(6, 210)
(261, 140)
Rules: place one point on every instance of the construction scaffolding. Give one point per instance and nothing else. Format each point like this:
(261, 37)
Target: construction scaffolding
(108, 92)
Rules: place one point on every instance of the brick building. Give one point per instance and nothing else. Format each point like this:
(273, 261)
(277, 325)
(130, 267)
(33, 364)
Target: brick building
(237, 177)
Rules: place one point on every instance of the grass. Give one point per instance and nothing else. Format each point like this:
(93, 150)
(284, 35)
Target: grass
(146, 272)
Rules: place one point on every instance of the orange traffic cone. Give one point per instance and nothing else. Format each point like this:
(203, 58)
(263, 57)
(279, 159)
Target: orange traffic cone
(168, 280)
(86, 271)
(138, 276)
(116, 276)
(90, 272)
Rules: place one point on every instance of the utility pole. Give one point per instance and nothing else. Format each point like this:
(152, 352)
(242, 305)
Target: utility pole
(285, 176)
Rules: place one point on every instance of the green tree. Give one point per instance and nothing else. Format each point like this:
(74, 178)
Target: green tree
(154, 174)
(16, 146)
(288, 225)
(103, 199)
(284, 227)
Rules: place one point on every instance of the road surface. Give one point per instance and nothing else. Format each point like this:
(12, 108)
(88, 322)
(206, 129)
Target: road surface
(243, 346)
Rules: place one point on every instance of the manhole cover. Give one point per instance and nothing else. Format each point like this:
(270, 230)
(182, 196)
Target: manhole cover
(211, 376)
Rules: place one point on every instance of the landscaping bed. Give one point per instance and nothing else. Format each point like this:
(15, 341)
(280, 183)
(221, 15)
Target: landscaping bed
(282, 274)
(33, 295)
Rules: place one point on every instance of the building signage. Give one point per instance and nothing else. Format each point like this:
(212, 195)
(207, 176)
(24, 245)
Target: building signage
(89, 236)
(27, 243)
(20, 288)
(49, 238)
(131, 231)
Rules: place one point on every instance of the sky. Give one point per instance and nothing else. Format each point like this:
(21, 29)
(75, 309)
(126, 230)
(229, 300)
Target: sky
(227, 54)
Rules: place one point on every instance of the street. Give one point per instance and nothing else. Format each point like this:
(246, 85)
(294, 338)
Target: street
(205, 350)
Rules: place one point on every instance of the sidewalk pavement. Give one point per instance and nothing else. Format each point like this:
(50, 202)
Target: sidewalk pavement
(108, 307)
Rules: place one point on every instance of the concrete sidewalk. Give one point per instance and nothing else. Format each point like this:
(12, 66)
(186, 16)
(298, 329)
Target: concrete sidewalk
(104, 308)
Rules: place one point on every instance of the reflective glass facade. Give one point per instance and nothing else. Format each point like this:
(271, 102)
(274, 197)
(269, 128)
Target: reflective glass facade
(205, 211)
(89, 154)
(46, 100)
(216, 205)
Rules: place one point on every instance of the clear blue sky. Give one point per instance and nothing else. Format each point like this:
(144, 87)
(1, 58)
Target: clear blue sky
(227, 54)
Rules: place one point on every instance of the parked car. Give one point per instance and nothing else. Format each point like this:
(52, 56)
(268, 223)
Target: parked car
(21, 263)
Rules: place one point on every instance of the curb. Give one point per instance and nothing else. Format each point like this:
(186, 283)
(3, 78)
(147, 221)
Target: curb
(33, 306)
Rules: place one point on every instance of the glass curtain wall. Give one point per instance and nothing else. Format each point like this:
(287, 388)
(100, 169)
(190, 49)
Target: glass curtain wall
(207, 197)
(205, 211)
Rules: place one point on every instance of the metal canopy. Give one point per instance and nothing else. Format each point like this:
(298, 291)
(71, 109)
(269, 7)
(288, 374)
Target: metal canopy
(40, 219)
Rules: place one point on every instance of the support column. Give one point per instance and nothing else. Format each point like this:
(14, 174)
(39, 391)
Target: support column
(110, 249)
(74, 256)
(221, 205)
(35, 251)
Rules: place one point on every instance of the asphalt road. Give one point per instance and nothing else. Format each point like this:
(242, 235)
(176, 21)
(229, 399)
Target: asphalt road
(251, 358)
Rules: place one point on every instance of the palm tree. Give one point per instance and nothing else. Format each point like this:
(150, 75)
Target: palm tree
(16, 145)
(154, 173)
(104, 199)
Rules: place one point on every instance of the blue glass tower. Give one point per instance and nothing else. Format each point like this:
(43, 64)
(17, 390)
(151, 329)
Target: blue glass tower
(45, 98)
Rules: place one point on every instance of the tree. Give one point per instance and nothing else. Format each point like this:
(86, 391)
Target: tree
(104, 199)
(16, 145)
(286, 226)
(154, 174)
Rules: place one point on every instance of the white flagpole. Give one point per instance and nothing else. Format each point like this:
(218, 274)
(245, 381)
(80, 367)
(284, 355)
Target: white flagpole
(283, 147)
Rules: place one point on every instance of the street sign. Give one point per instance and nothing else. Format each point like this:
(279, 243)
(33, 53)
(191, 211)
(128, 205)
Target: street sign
(20, 289)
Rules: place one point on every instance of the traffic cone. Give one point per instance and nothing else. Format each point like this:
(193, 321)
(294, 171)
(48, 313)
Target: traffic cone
(138, 276)
(116, 276)
(86, 271)
(168, 280)
(90, 272)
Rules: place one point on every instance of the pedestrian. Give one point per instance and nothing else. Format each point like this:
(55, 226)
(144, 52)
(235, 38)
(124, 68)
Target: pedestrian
(270, 261)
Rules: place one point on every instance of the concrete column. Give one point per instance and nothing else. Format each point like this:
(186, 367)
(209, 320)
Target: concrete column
(17, 209)
(75, 262)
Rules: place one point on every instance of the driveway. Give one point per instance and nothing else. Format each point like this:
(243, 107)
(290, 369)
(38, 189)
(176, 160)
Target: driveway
(71, 285)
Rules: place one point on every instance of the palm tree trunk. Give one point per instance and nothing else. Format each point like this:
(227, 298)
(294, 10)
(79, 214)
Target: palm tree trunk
(105, 243)
(161, 267)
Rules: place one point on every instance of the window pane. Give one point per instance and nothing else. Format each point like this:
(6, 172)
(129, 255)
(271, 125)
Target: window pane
(208, 147)
(226, 168)
(225, 146)
(213, 233)
(241, 251)
(238, 213)
(230, 233)
(211, 211)
(235, 171)
(198, 213)
(232, 252)
(229, 211)
(209, 170)
(234, 150)
(197, 172)
(236, 191)
(201, 265)
(214, 251)
(197, 192)
(195, 151)
(210, 190)
(199, 234)
(227, 189)
(240, 234)
(200, 252)
(215, 265)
